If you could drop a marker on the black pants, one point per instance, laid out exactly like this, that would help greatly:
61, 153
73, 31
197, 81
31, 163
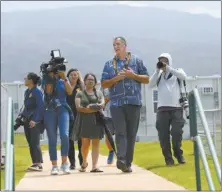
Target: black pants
165, 119
126, 122
71, 155
33, 139
72, 159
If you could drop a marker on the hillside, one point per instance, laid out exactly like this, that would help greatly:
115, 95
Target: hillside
84, 36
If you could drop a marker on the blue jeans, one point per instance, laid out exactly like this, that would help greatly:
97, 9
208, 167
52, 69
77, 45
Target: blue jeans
53, 119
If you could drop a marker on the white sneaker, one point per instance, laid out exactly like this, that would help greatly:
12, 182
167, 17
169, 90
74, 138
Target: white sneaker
55, 170
65, 168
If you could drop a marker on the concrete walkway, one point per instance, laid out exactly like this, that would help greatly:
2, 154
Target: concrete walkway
110, 179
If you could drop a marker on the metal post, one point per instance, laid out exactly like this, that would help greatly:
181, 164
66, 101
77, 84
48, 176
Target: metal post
215, 129
205, 163
208, 135
8, 147
13, 151
193, 134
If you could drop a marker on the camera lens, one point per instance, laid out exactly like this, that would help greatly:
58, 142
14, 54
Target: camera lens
159, 65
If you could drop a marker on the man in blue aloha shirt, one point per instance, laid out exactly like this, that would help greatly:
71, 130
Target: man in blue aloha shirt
123, 76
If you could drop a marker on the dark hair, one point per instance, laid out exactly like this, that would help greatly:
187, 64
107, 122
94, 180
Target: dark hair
35, 78
95, 79
70, 71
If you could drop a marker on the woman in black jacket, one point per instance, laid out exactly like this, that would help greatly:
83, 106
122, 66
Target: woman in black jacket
77, 84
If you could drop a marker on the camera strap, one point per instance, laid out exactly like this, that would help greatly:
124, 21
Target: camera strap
179, 83
184, 84
128, 57
88, 97
168, 77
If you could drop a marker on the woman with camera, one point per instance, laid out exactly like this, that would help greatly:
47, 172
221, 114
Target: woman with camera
57, 114
77, 84
32, 117
87, 125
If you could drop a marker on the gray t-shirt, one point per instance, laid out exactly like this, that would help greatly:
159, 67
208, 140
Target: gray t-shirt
106, 110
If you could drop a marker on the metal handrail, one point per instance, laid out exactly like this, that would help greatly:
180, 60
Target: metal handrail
9, 158
208, 135
194, 102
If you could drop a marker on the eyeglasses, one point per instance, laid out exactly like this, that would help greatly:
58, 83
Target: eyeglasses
90, 79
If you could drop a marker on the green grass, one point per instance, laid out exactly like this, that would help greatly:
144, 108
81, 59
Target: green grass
147, 155
22, 158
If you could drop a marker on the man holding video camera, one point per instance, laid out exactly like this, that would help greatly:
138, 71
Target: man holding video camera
171, 102
57, 112
123, 75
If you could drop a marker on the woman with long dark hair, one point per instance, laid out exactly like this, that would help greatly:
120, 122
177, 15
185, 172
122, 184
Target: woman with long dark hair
87, 126
32, 116
77, 84
57, 115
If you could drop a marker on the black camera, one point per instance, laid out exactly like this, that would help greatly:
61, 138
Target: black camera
18, 122
185, 105
160, 65
55, 64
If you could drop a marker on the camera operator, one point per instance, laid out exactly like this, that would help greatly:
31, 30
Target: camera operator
32, 115
170, 110
57, 112
77, 84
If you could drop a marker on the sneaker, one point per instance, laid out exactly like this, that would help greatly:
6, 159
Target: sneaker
181, 160
121, 165
110, 157
129, 170
169, 162
65, 168
35, 167
72, 167
55, 170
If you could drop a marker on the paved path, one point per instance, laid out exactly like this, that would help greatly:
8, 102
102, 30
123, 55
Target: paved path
110, 179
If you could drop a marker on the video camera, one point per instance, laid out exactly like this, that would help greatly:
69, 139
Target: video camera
55, 64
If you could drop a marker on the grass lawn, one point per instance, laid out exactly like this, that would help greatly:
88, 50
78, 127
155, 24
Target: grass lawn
147, 155
22, 159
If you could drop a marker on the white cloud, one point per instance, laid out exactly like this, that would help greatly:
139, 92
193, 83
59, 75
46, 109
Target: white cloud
212, 8
200, 10
133, 3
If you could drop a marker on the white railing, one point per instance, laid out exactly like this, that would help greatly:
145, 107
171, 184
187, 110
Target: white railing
9, 158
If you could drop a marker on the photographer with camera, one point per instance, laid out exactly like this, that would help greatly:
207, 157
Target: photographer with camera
77, 84
31, 118
171, 102
57, 112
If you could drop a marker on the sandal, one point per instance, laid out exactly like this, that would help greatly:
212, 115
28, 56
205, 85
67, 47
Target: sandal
83, 168
96, 170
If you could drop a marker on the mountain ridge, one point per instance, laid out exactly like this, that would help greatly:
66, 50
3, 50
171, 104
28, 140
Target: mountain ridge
84, 36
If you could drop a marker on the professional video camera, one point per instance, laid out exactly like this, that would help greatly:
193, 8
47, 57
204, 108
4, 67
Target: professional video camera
55, 64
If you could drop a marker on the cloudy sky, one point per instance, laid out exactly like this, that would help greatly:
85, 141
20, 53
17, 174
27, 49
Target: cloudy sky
212, 8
